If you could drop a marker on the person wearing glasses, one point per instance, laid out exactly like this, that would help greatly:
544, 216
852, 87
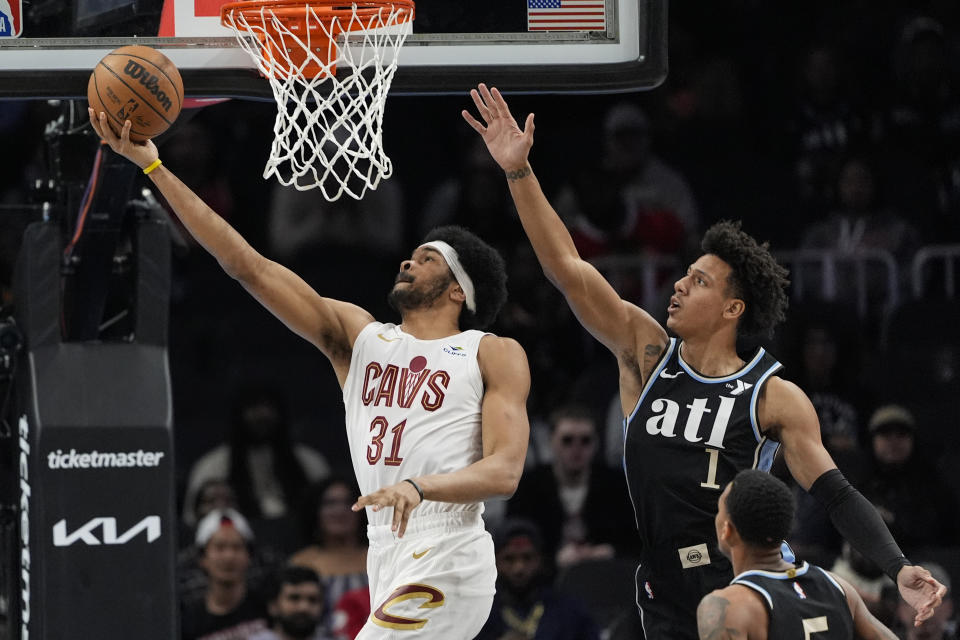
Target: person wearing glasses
581, 506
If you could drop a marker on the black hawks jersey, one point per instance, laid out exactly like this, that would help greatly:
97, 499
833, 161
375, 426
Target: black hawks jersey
686, 439
804, 603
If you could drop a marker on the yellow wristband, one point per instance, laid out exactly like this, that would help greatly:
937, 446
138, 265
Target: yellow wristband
153, 165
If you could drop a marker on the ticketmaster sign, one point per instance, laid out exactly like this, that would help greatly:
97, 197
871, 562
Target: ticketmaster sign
71, 459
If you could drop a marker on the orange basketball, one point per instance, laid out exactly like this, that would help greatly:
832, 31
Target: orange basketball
138, 84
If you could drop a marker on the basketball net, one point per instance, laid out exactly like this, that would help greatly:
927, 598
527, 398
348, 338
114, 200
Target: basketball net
330, 65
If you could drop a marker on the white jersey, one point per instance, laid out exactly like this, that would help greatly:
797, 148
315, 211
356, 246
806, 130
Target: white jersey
412, 408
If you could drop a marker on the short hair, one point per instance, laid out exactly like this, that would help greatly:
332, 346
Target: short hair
760, 507
517, 527
571, 412
486, 269
292, 575
755, 276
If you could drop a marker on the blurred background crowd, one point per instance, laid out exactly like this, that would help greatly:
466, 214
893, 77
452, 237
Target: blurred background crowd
831, 128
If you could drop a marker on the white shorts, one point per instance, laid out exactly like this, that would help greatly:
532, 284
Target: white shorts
436, 582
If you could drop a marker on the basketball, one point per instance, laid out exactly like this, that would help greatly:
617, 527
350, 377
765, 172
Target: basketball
138, 84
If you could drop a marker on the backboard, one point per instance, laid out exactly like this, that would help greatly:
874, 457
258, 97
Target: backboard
48, 47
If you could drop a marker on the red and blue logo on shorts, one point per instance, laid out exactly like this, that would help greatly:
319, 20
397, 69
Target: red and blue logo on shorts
11, 18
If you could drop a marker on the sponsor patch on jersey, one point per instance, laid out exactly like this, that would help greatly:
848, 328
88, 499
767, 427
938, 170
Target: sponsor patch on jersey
455, 351
738, 386
695, 556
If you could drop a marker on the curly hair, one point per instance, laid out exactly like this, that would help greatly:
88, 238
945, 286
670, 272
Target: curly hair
486, 269
760, 507
755, 277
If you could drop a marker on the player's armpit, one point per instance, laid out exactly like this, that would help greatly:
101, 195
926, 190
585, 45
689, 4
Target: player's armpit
716, 620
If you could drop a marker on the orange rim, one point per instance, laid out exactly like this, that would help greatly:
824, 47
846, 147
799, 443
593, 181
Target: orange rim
336, 15
294, 11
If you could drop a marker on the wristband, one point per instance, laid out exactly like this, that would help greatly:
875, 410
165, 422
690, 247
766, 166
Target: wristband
417, 487
150, 167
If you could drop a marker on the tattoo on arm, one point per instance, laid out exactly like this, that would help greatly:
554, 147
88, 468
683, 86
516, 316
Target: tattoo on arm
519, 174
712, 618
651, 353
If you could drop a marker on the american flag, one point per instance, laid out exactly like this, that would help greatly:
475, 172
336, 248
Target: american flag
566, 15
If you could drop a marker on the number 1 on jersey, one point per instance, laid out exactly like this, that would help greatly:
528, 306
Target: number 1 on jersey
711, 482
375, 449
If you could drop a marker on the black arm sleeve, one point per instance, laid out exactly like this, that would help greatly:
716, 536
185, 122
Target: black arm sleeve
858, 521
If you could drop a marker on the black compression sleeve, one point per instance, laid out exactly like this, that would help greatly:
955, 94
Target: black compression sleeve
858, 521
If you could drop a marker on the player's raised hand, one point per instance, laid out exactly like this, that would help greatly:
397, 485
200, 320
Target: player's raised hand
921, 591
142, 154
403, 497
505, 141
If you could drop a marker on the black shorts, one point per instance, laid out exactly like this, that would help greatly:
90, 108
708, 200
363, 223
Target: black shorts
668, 601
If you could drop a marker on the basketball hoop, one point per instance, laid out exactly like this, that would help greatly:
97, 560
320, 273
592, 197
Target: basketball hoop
330, 64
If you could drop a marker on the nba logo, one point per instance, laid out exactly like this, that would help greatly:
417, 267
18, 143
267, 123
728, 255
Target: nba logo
800, 591
11, 18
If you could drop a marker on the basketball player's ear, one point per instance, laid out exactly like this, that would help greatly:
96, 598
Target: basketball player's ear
457, 294
734, 308
727, 532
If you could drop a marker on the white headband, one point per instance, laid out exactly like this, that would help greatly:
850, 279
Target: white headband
453, 261
217, 518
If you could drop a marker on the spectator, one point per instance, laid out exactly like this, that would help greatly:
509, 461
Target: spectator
823, 127
215, 493
476, 198
632, 200
917, 518
923, 127
295, 604
192, 581
229, 610
303, 221
861, 219
580, 505
525, 607
827, 354
260, 461
350, 613
942, 625
338, 548
867, 579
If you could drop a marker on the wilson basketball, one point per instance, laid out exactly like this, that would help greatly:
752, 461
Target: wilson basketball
138, 84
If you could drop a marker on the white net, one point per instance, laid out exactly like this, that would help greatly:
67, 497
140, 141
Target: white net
330, 75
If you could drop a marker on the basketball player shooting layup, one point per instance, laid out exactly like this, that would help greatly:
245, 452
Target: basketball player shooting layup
436, 416
696, 414
770, 597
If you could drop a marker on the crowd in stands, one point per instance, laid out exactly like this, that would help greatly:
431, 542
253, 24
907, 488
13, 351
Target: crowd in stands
830, 127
